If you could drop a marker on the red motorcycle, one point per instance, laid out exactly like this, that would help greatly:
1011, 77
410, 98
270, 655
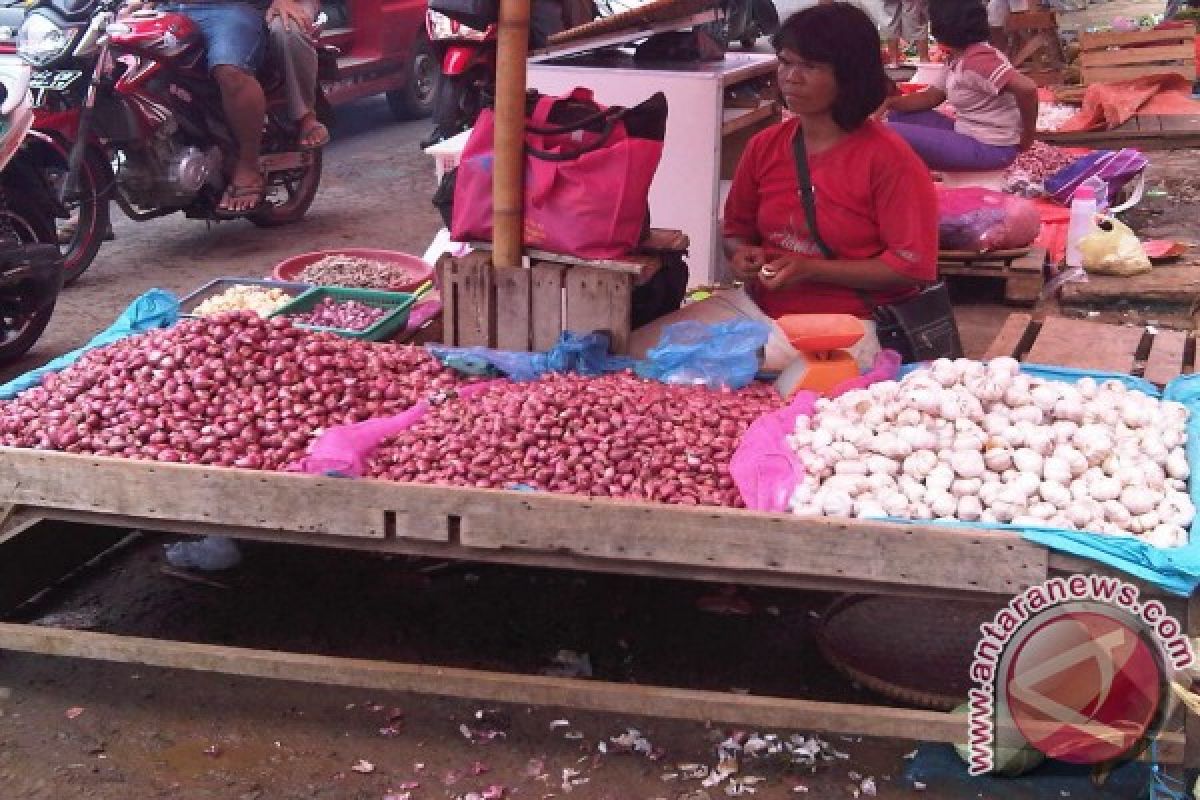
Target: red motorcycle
147, 129
468, 78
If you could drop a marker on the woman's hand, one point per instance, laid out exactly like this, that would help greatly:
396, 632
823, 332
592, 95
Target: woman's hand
290, 11
784, 271
747, 260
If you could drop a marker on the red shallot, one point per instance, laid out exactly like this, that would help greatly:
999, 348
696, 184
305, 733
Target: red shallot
617, 436
350, 315
232, 389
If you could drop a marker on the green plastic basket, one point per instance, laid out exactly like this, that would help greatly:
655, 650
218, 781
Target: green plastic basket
400, 303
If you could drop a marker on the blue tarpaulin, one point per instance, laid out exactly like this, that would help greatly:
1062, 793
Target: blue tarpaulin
154, 309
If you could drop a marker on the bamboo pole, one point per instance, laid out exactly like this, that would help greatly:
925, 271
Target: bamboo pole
512, 47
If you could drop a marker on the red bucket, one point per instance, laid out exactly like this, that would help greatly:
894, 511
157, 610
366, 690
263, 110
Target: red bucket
911, 88
413, 268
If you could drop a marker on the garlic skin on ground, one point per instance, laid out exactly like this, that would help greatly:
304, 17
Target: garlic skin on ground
985, 442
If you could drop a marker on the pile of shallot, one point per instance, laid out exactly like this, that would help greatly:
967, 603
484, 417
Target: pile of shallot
1027, 174
231, 390
348, 315
617, 436
964, 440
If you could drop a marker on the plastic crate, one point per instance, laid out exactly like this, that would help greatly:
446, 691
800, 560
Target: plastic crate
218, 285
400, 303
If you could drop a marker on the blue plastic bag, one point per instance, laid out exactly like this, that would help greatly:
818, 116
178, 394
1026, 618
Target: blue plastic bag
586, 354
713, 355
154, 309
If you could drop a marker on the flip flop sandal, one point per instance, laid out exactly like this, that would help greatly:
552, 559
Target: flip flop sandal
234, 192
322, 134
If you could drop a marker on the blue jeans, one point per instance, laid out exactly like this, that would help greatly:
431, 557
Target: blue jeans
933, 136
235, 33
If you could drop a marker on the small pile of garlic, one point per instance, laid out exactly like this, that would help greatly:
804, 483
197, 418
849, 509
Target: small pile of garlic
242, 297
973, 441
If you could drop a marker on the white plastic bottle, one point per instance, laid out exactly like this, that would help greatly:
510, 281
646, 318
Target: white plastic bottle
1083, 209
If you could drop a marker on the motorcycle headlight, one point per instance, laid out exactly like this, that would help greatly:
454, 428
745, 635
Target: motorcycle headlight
40, 41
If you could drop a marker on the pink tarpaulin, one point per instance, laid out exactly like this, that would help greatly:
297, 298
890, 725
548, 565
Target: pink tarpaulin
1109, 105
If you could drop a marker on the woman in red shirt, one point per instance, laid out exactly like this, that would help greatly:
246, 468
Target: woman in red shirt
876, 208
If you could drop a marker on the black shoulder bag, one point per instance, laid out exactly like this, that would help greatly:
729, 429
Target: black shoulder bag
919, 328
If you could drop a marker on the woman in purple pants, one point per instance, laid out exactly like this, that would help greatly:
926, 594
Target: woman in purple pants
996, 106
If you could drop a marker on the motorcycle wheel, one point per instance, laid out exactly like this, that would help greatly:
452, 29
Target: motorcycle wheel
80, 235
298, 188
24, 318
417, 98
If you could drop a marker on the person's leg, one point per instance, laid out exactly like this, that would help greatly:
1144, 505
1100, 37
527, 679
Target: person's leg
916, 26
949, 151
892, 22
235, 37
926, 119
298, 55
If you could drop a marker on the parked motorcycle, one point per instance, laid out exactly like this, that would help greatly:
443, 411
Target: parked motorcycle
30, 264
468, 78
133, 117
745, 22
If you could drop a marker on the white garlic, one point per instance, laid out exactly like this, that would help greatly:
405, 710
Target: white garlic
1054, 493
1167, 536
1045, 396
1177, 464
1080, 515
850, 467
881, 464
837, 504
998, 459
1116, 513
1027, 460
940, 478
1005, 366
967, 463
1139, 500
966, 486
1104, 489
1043, 511
920, 464
895, 504
969, 508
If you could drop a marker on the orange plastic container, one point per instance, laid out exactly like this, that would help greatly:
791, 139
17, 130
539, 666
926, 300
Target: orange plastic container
815, 333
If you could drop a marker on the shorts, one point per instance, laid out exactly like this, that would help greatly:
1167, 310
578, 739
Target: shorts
998, 10
906, 19
235, 34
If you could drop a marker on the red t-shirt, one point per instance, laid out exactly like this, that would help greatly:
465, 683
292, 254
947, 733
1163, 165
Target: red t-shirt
874, 199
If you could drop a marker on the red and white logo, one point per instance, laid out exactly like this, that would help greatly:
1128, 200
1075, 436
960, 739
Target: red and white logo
1083, 685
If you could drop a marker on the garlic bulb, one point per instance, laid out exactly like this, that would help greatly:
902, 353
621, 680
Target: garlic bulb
985, 442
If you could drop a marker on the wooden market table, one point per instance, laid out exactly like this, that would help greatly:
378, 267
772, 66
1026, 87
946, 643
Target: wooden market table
527, 529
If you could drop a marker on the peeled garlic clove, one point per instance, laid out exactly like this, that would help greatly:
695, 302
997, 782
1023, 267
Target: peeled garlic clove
868, 509
1004, 365
1177, 464
1055, 493
1028, 461
966, 486
896, 505
837, 504
920, 464
998, 459
850, 467
1057, 470
939, 478
1043, 511
1167, 536
1027, 482
1045, 396
1116, 513
1079, 514
1104, 489
1139, 500
967, 463
969, 508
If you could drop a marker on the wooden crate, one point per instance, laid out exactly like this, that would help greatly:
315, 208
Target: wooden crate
526, 308
1035, 48
1157, 355
1108, 57
1021, 270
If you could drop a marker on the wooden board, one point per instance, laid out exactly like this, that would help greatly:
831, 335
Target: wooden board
1157, 355
1166, 357
1182, 52
1021, 270
599, 301
1177, 283
1085, 345
606, 532
513, 307
248, 498
546, 316
1092, 75
1105, 39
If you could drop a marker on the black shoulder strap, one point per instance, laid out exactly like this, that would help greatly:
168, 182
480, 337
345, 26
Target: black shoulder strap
804, 179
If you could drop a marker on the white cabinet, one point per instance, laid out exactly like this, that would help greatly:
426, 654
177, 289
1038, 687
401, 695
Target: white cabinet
702, 133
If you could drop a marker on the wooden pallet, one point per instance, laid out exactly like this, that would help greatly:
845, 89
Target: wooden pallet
1113, 56
1159, 356
1143, 131
1021, 270
1175, 283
